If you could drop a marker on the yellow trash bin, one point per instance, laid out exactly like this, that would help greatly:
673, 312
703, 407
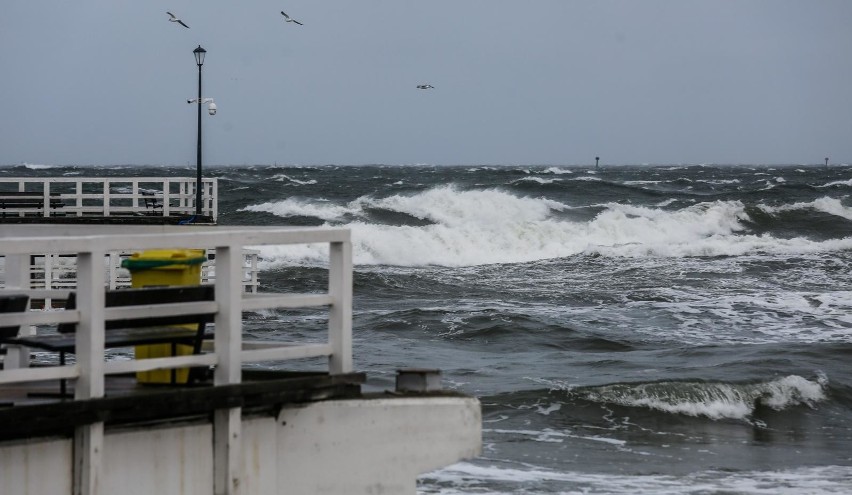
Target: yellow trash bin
163, 268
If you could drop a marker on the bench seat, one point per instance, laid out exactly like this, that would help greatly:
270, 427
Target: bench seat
124, 337
18, 202
153, 329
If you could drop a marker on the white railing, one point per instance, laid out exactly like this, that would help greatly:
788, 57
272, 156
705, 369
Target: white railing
90, 244
111, 196
59, 271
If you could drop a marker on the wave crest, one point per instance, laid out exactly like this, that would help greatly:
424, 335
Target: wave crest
715, 400
451, 227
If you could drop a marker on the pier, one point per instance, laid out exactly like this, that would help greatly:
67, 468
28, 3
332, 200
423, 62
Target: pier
105, 201
100, 200
238, 429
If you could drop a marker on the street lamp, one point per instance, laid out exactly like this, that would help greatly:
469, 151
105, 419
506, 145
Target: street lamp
199, 60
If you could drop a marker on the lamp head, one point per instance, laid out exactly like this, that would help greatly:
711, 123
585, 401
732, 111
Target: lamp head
199, 55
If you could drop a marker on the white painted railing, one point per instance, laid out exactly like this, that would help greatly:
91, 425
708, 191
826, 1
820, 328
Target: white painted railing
112, 196
59, 271
91, 244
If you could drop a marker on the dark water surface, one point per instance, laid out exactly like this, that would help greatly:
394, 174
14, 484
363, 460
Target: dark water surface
627, 329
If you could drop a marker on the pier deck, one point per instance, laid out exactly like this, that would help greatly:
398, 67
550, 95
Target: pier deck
36, 409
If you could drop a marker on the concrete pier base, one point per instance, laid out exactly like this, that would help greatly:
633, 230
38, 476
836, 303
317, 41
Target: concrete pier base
350, 446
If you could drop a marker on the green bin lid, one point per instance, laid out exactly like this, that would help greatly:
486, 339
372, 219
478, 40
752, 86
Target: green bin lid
160, 258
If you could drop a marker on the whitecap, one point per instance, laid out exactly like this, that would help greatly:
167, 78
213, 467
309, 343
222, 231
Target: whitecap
478, 476
712, 400
478, 227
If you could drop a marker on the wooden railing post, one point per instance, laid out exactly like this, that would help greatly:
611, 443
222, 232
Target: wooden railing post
214, 199
90, 330
89, 439
78, 190
340, 313
227, 441
134, 190
166, 201
46, 198
106, 198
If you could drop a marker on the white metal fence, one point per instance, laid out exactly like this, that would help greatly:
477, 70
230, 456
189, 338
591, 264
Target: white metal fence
59, 271
114, 196
93, 243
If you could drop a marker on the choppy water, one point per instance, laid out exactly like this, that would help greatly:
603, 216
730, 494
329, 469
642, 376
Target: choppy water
629, 330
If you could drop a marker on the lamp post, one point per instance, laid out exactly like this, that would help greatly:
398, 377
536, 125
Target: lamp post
199, 60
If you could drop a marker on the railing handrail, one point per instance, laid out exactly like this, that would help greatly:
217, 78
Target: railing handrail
176, 193
47, 273
91, 243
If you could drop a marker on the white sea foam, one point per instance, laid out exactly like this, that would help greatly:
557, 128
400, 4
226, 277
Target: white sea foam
641, 182
838, 183
479, 477
549, 409
537, 179
283, 178
762, 317
296, 207
832, 206
712, 400
588, 179
549, 435
557, 171
493, 226
37, 166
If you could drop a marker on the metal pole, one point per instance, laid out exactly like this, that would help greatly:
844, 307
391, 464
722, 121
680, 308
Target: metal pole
198, 168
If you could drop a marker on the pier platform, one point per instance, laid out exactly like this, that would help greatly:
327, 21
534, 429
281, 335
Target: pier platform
238, 429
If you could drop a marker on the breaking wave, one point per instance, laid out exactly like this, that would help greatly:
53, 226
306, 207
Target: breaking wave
715, 400
477, 227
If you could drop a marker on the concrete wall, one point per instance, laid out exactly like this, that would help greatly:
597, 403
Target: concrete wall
36, 467
346, 447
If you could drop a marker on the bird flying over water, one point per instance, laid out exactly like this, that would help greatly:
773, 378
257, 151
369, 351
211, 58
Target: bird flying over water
287, 19
172, 18
425, 86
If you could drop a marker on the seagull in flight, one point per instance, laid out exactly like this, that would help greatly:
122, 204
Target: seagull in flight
425, 86
172, 18
287, 19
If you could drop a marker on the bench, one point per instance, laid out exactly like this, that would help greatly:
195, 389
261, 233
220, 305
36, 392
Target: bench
152, 202
12, 303
143, 330
22, 202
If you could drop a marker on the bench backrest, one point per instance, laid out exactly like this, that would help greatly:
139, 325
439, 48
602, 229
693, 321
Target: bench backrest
22, 200
146, 296
12, 303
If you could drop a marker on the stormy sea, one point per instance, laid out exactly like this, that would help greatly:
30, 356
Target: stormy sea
628, 329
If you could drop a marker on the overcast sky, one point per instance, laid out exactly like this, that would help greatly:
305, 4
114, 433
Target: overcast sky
516, 82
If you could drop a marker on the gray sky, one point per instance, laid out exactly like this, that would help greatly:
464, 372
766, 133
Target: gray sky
516, 82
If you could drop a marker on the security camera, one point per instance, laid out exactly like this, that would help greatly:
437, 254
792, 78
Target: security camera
189, 101
211, 109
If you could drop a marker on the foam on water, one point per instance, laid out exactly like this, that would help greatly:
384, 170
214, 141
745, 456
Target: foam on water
296, 207
483, 478
756, 317
538, 180
286, 178
714, 400
832, 206
838, 183
37, 166
557, 171
490, 226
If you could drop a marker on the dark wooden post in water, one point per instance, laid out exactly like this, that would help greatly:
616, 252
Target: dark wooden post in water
597, 159
199, 60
